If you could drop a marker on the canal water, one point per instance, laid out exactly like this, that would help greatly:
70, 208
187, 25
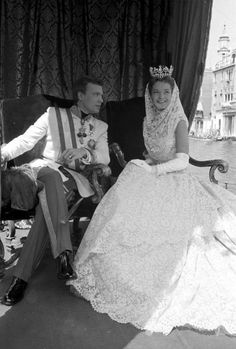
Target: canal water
209, 149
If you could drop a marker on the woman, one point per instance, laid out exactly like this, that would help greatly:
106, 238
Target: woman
160, 251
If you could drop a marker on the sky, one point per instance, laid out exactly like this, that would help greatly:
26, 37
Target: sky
223, 13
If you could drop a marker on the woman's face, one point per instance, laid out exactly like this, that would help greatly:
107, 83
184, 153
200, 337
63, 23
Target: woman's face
161, 94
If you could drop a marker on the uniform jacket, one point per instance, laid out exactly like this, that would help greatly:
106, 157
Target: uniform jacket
47, 125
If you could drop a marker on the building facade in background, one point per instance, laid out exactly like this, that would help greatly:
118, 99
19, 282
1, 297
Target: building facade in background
216, 112
224, 90
202, 123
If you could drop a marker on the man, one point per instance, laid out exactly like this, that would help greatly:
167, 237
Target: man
74, 139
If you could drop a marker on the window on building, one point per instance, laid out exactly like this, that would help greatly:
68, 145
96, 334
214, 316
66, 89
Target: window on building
228, 75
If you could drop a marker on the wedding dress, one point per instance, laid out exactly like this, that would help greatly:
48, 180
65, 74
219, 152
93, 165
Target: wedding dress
160, 252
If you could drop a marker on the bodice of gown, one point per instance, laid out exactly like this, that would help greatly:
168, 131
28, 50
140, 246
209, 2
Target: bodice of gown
160, 147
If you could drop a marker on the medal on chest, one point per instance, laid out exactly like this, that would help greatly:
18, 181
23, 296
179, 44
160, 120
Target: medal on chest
86, 129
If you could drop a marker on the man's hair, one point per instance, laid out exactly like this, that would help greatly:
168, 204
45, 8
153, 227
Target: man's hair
80, 85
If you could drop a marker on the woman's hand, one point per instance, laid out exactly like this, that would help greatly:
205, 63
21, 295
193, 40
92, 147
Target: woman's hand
148, 159
143, 164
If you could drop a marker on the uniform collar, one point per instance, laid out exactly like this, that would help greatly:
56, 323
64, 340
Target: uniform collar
76, 111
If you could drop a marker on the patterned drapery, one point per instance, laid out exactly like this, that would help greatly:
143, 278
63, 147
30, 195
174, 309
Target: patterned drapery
46, 45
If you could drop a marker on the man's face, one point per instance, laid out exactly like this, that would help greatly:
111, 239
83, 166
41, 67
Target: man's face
92, 99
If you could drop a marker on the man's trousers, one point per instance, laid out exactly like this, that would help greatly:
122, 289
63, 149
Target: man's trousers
38, 237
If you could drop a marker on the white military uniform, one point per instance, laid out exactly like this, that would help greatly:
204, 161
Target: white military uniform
62, 129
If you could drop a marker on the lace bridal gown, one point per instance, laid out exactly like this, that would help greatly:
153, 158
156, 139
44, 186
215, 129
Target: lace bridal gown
160, 252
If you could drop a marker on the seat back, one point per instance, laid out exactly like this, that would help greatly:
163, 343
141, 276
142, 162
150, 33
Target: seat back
17, 114
125, 121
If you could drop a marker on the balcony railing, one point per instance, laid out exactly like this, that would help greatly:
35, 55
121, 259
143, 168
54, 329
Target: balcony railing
225, 63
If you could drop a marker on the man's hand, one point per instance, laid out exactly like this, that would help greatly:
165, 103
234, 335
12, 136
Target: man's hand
73, 154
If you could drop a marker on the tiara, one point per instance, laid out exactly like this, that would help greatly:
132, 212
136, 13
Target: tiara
161, 72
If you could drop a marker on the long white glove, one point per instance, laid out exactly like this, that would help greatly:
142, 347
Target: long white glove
179, 163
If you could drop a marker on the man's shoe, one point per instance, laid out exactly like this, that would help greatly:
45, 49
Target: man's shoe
15, 292
65, 270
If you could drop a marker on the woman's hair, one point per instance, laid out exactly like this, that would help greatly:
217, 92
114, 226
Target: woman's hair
168, 79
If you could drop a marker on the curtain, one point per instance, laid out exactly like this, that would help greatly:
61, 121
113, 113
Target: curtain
186, 45
46, 45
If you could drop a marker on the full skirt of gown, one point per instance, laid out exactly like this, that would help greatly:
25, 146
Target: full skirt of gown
160, 252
